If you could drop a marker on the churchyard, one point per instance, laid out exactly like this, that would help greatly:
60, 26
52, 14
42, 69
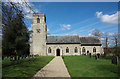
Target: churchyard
23, 66
84, 66
78, 66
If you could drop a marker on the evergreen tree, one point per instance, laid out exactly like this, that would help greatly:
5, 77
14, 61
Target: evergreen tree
15, 33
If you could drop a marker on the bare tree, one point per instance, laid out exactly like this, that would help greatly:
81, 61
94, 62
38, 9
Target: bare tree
114, 37
96, 32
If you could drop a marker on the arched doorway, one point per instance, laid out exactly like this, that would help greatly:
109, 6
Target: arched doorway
58, 52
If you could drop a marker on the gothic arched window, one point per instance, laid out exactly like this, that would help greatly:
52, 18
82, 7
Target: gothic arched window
76, 50
49, 50
38, 20
94, 49
83, 49
67, 50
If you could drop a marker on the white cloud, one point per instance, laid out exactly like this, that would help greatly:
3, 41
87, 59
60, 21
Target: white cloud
65, 27
99, 14
111, 19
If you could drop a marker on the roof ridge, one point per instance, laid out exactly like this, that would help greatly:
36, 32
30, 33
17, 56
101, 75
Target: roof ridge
88, 36
62, 35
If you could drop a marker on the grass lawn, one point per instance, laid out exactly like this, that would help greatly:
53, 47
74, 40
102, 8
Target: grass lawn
24, 68
83, 66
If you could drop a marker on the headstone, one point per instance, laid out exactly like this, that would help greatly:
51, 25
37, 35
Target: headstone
11, 58
15, 58
2, 57
90, 55
18, 58
98, 55
22, 57
114, 60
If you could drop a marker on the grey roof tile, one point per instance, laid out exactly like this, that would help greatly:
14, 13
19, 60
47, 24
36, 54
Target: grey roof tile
72, 39
63, 39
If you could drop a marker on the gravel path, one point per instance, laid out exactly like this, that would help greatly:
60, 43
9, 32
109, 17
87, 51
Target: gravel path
55, 68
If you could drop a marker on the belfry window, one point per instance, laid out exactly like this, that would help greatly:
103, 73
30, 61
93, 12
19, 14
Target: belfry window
49, 50
76, 50
38, 20
67, 50
94, 49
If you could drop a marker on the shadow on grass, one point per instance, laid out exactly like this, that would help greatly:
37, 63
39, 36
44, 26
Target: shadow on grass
108, 68
11, 63
25, 68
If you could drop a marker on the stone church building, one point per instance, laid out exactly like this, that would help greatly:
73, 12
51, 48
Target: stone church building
57, 45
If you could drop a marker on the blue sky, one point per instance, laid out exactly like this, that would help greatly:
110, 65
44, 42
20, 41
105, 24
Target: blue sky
69, 18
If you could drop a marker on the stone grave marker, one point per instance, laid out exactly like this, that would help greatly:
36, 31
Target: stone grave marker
114, 60
15, 58
98, 55
90, 55
2, 57
18, 58
11, 58
21, 57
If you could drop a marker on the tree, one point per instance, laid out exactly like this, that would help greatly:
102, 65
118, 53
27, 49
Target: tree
15, 33
115, 38
96, 32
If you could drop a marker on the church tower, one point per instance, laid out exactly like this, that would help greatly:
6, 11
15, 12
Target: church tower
38, 34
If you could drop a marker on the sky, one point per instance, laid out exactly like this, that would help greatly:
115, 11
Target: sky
77, 18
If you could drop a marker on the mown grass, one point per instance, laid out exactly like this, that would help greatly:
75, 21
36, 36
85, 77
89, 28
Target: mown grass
83, 66
24, 68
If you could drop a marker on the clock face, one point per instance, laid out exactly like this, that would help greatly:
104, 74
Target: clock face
38, 30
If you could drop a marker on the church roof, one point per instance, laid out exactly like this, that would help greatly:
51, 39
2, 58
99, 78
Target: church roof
72, 39
90, 40
63, 39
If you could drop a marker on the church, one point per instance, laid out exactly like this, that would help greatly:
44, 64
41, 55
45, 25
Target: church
57, 45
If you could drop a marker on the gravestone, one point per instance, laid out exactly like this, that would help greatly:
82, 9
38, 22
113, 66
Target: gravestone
21, 57
98, 55
15, 58
2, 57
90, 55
18, 58
114, 60
11, 58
